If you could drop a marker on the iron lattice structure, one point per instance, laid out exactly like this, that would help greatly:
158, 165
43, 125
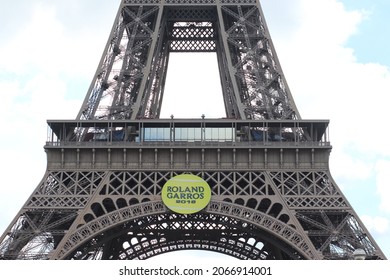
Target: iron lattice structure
272, 193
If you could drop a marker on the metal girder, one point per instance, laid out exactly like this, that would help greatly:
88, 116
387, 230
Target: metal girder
272, 193
159, 234
129, 82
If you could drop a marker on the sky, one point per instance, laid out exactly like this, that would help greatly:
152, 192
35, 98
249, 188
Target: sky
334, 54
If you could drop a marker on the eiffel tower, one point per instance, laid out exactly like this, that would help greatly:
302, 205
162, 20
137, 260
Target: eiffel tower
271, 192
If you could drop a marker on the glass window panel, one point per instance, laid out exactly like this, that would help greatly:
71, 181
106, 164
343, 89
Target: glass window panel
146, 134
166, 133
221, 134
198, 134
178, 134
191, 134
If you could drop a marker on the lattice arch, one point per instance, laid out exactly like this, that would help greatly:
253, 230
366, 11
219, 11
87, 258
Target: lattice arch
243, 217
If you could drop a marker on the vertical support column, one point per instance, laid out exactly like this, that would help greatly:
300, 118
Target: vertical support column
218, 158
124, 158
109, 158
226, 53
250, 158
234, 159
155, 158
146, 70
281, 158
97, 87
171, 158
77, 157
62, 158
140, 158
202, 159
187, 159
93, 158
312, 158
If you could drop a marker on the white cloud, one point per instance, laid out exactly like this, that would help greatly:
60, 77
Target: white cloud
383, 183
346, 167
376, 225
10, 90
33, 88
327, 80
330, 22
45, 43
35, 43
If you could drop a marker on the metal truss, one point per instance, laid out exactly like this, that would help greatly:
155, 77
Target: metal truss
129, 82
272, 193
153, 235
192, 37
81, 215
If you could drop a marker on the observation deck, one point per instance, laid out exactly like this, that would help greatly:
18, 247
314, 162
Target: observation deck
188, 144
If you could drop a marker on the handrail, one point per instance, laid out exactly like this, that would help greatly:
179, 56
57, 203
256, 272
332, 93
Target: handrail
238, 144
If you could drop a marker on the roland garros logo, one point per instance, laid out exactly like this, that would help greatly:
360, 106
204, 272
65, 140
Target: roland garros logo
186, 194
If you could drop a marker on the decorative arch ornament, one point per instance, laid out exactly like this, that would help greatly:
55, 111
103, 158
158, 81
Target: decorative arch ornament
220, 216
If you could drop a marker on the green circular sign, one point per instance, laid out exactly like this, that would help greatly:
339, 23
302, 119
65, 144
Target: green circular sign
186, 194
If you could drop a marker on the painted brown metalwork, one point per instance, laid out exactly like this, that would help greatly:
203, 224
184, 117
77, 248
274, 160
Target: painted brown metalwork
273, 196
